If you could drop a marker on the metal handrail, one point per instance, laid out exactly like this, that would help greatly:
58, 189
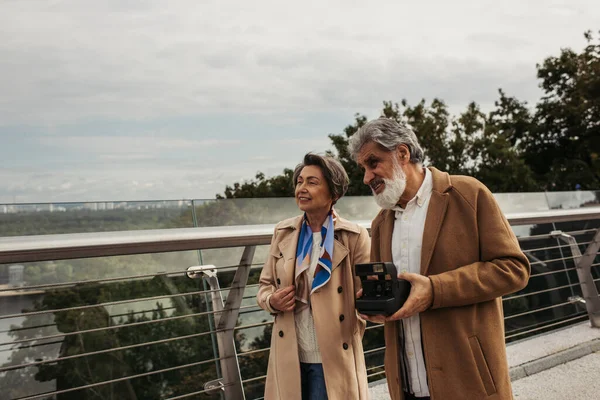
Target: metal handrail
86, 245
581, 317
101, 244
529, 294
553, 260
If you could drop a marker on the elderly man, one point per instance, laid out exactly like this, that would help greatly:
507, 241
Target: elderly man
447, 236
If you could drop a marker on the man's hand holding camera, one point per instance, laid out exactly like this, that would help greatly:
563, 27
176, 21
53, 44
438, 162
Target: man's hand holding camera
419, 300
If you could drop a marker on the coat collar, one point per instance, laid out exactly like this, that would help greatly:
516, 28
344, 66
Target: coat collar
290, 228
340, 224
435, 215
440, 180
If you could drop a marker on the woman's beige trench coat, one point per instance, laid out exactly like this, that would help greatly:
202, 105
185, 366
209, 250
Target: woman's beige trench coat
338, 327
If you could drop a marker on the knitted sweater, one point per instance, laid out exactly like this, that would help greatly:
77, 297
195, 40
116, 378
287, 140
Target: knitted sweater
308, 348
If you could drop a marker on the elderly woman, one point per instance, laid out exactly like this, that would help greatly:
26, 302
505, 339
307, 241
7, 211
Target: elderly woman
308, 284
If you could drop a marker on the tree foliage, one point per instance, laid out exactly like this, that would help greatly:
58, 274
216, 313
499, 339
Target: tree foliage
564, 148
110, 347
554, 145
277, 186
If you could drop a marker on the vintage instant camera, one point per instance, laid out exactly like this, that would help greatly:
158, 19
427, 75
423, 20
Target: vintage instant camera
384, 295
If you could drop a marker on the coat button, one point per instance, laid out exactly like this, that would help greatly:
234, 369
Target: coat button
340, 289
345, 346
281, 334
280, 254
341, 317
336, 237
278, 281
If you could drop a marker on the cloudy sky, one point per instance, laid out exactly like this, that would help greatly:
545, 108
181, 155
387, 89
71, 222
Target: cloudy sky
134, 100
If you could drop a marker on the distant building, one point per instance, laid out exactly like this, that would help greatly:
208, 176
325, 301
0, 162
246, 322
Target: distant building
91, 206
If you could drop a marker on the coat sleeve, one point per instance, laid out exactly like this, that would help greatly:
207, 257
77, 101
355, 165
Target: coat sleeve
502, 269
266, 283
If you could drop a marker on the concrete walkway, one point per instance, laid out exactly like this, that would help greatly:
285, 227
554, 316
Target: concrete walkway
563, 364
575, 380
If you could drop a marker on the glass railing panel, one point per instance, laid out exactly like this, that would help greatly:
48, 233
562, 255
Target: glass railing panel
79, 270
53, 218
521, 202
133, 295
229, 212
138, 328
273, 210
575, 199
546, 303
358, 208
47, 218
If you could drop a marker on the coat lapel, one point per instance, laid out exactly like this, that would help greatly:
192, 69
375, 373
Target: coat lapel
287, 247
385, 232
435, 216
339, 253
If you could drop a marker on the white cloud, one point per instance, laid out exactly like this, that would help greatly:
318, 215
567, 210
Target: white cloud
73, 63
139, 146
317, 143
108, 183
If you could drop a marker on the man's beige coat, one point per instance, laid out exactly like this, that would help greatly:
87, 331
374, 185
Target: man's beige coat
338, 327
473, 258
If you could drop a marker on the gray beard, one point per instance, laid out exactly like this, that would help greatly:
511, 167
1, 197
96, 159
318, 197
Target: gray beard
394, 189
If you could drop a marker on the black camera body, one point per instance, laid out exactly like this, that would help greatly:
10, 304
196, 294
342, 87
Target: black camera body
383, 293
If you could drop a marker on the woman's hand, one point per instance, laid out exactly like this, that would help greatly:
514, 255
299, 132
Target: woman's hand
284, 299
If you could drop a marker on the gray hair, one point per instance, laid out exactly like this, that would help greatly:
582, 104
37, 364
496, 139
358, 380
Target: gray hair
334, 173
389, 134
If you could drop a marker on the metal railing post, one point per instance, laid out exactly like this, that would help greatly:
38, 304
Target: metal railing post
226, 316
583, 266
211, 322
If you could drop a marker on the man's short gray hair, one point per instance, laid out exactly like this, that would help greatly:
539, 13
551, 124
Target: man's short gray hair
333, 171
389, 134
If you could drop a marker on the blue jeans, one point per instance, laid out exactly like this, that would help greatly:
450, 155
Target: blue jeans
313, 382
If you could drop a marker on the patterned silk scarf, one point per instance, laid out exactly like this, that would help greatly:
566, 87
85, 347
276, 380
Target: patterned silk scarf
303, 253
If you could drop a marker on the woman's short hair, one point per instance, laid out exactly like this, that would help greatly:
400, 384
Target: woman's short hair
334, 173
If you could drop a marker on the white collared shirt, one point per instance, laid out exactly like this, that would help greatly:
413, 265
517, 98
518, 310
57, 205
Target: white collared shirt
407, 240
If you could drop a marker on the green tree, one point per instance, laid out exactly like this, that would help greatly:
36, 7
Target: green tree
486, 147
92, 357
497, 154
564, 149
431, 123
277, 186
513, 148
340, 143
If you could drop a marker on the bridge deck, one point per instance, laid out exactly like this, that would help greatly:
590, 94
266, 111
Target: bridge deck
563, 364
